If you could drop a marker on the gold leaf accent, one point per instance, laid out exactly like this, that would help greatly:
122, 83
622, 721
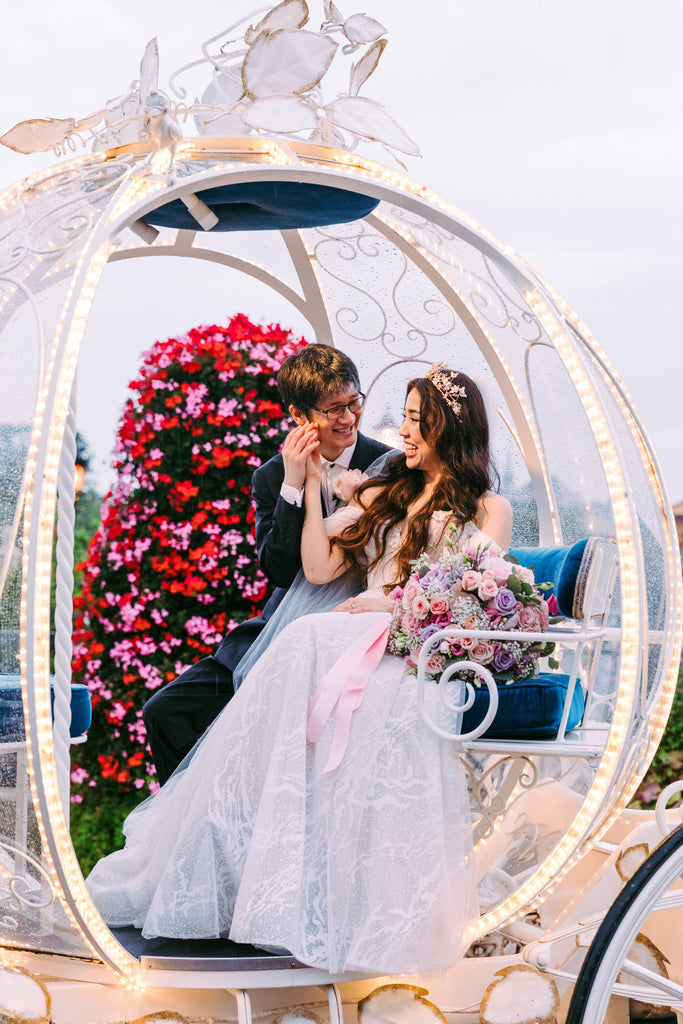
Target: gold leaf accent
363, 68
38, 134
399, 1004
286, 62
290, 14
520, 995
630, 859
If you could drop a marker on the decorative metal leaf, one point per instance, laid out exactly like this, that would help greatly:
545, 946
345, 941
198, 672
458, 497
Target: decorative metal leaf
363, 68
286, 62
332, 14
221, 94
399, 1004
359, 28
85, 123
367, 118
38, 134
290, 14
281, 114
149, 69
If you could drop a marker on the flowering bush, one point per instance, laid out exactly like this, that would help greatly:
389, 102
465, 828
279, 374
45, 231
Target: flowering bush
173, 564
475, 588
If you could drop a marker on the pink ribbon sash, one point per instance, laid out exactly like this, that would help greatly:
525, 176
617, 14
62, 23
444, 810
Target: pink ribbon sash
343, 688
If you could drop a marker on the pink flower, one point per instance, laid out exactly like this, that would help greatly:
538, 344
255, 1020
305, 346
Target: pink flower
470, 579
348, 482
409, 624
532, 618
499, 569
524, 574
420, 607
410, 591
435, 664
482, 652
487, 589
439, 605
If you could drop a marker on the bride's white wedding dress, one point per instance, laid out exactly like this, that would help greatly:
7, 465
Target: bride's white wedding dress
367, 867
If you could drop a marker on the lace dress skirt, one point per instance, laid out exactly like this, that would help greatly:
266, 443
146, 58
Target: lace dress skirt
368, 867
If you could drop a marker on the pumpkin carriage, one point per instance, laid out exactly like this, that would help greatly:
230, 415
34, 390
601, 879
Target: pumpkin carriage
397, 277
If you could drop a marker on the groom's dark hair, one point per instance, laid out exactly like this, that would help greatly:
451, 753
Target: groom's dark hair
314, 373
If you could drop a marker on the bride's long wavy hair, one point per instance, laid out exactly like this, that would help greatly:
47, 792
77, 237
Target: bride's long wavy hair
461, 444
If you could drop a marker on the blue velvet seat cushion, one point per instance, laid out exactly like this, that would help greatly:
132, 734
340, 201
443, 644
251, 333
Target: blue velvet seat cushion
528, 710
268, 205
564, 567
12, 712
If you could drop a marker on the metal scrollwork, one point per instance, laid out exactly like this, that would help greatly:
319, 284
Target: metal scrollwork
495, 787
487, 292
21, 891
402, 319
65, 225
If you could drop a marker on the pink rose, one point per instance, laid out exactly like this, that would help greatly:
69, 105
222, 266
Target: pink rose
524, 574
499, 569
487, 589
435, 664
420, 607
410, 591
348, 482
409, 624
531, 619
439, 605
469, 622
411, 661
470, 579
482, 652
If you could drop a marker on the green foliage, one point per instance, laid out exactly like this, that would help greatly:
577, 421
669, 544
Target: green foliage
667, 764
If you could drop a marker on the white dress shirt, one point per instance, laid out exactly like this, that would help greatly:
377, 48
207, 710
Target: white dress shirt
331, 473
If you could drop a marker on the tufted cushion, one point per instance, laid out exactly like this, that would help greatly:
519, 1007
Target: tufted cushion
12, 712
530, 710
566, 568
268, 205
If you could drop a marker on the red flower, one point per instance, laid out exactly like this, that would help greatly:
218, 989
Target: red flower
222, 457
178, 544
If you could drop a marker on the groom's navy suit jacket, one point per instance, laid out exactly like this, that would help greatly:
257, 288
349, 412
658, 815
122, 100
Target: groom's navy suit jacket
278, 542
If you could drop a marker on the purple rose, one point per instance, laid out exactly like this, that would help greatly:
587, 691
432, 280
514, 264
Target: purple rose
433, 575
503, 660
504, 601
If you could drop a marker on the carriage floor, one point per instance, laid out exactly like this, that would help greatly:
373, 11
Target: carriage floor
201, 954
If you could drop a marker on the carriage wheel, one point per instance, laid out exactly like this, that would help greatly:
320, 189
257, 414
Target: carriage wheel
607, 969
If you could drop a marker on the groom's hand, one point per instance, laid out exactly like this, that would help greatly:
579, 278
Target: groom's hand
299, 444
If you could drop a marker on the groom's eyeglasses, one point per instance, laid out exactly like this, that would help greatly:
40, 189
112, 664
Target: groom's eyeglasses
337, 411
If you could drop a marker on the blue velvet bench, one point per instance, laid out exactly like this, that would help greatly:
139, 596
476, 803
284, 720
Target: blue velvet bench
582, 576
12, 712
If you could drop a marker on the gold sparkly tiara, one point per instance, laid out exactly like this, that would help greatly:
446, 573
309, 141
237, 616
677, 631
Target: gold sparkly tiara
441, 377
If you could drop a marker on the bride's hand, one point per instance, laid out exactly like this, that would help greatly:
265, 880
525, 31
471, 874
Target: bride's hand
314, 468
363, 603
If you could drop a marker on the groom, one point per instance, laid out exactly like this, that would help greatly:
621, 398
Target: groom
321, 388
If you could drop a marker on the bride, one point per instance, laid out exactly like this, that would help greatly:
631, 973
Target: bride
319, 813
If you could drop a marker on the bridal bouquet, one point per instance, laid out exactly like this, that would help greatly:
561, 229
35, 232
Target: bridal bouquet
475, 587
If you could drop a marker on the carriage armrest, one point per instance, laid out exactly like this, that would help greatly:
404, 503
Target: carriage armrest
582, 576
553, 703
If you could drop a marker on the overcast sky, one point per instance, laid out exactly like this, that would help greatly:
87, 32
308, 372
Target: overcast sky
556, 125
